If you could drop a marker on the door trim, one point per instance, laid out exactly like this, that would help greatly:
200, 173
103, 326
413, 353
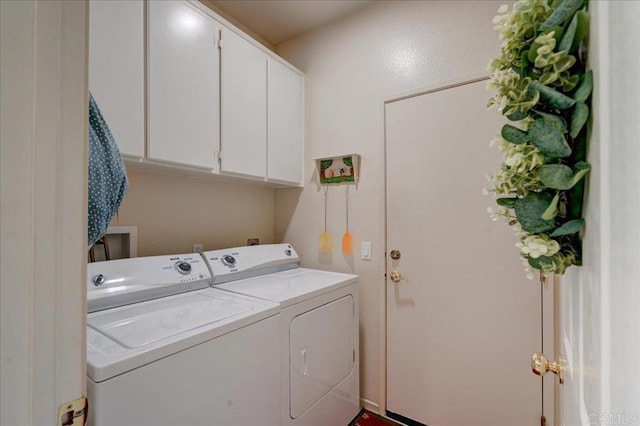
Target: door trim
437, 87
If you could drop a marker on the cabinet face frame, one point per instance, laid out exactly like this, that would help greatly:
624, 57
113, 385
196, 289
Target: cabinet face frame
146, 155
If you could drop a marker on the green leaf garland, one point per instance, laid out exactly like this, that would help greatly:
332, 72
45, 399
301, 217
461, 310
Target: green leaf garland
542, 86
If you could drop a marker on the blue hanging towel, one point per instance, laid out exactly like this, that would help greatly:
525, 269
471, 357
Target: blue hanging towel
108, 181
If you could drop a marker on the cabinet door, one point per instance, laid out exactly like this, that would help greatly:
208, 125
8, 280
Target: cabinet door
116, 69
183, 85
244, 107
285, 141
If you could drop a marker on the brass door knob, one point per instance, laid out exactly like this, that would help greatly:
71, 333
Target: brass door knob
396, 277
540, 365
395, 254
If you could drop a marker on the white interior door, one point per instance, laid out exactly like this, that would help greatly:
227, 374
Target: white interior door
600, 302
43, 208
463, 322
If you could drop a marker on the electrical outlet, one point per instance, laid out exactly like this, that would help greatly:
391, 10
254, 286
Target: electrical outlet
253, 241
197, 248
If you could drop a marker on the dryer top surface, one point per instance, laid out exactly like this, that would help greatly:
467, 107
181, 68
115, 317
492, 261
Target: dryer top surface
291, 286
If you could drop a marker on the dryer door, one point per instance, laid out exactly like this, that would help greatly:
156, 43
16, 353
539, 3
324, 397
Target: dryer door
321, 352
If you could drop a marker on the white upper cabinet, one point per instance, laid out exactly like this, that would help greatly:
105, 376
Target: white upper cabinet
116, 69
244, 107
183, 84
216, 101
285, 125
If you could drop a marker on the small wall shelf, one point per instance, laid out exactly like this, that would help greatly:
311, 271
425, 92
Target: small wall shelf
338, 169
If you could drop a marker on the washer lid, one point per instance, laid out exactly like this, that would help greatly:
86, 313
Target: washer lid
292, 286
141, 324
125, 338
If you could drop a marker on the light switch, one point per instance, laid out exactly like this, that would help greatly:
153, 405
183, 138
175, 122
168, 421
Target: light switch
366, 250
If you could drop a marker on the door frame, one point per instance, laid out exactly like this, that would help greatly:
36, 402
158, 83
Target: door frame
44, 208
382, 295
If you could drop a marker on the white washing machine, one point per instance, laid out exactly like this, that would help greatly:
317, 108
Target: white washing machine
319, 320
163, 348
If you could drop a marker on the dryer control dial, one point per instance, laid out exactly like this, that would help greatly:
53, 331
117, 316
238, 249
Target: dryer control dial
229, 260
183, 267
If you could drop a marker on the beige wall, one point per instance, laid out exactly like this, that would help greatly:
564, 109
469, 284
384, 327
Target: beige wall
172, 212
351, 65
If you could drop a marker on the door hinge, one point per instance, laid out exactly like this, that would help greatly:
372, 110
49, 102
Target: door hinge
73, 413
219, 41
543, 421
354, 355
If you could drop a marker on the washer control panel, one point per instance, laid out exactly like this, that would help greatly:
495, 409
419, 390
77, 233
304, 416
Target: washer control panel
243, 262
124, 281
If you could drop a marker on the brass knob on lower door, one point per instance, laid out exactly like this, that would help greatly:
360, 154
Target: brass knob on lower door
396, 277
540, 365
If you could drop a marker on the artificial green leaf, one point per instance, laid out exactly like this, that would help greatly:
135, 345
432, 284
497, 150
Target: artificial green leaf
506, 202
563, 12
569, 228
548, 77
552, 211
517, 116
579, 117
547, 134
552, 96
556, 176
514, 135
529, 212
570, 83
567, 39
555, 121
582, 30
559, 176
564, 63
532, 54
539, 262
586, 85
580, 170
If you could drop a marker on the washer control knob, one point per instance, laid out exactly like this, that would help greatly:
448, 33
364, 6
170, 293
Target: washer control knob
287, 252
98, 280
229, 260
183, 267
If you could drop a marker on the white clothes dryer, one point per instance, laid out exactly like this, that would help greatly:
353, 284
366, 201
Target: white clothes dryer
199, 357
319, 320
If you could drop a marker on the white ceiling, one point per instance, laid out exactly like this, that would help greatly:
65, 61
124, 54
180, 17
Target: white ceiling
277, 21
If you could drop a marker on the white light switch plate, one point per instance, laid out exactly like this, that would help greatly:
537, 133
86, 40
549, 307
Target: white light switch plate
366, 250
